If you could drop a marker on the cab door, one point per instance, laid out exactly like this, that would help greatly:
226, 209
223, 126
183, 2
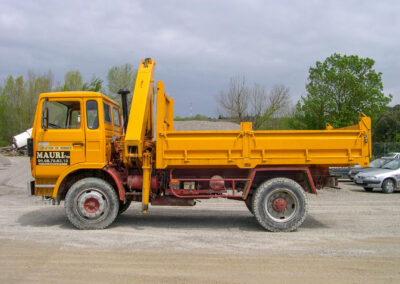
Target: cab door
95, 139
60, 140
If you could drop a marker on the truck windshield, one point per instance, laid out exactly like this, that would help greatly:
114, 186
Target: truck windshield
63, 115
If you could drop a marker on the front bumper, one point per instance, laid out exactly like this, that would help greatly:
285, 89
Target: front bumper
375, 183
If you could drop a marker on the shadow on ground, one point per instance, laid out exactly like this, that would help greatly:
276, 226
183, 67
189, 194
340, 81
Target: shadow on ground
162, 218
375, 191
45, 217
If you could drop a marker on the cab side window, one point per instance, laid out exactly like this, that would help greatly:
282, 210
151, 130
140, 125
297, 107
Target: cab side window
116, 117
62, 114
107, 113
92, 114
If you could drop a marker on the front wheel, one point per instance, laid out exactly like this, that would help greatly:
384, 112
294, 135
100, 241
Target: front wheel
388, 186
91, 204
280, 205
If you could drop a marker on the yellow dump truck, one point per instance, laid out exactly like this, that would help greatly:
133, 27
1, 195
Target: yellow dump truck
84, 153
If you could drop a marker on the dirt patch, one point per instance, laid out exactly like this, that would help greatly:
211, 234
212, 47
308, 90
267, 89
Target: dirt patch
25, 262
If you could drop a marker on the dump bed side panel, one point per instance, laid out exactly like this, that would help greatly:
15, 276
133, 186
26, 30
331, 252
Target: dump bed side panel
249, 149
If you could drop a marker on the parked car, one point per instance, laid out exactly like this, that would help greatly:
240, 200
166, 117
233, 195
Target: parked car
387, 178
342, 172
393, 155
377, 163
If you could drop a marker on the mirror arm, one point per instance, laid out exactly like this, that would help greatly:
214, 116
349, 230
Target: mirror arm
45, 114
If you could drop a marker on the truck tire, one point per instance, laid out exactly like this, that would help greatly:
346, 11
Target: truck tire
124, 206
249, 203
388, 186
280, 205
91, 204
368, 189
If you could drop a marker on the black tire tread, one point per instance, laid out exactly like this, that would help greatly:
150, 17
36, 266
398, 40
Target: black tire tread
79, 186
257, 199
386, 190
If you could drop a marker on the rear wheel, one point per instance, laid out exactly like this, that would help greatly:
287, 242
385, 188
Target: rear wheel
368, 189
388, 186
91, 204
280, 205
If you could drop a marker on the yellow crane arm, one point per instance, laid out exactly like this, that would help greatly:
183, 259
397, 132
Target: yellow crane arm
140, 123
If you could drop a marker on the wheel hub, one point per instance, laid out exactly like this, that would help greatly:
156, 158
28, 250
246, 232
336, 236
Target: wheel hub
279, 205
91, 204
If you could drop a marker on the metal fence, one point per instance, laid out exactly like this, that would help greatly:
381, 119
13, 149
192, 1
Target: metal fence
380, 149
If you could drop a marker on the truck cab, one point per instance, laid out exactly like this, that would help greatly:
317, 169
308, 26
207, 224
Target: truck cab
72, 131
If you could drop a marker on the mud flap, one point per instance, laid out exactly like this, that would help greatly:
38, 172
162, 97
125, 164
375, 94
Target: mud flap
31, 187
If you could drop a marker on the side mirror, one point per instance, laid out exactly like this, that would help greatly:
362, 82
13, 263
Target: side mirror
45, 115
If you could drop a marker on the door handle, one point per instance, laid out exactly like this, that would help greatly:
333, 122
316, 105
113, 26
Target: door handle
78, 144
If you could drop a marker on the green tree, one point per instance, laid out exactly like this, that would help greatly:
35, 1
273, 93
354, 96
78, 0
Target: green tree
3, 141
338, 90
18, 100
95, 84
8, 102
121, 77
73, 81
388, 126
35, 85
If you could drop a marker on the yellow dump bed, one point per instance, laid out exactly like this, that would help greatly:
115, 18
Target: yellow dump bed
246, 148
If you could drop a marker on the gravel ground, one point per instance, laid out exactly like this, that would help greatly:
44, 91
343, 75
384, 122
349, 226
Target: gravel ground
349, 234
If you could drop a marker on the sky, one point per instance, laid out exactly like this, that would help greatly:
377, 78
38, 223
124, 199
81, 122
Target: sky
199, 45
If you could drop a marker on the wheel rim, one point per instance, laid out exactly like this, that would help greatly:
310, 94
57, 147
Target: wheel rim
281, 205
91, 204
389, 185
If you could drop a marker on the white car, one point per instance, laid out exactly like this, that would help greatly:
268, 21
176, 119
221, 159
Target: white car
387, 178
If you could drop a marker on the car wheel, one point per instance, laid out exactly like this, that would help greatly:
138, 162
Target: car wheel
91, 204
388, 186
280, 205
368, 189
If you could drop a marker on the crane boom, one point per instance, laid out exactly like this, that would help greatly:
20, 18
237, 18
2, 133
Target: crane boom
140, 123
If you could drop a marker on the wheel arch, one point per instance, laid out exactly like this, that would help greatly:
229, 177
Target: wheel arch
106, 174
393, 179
301, 175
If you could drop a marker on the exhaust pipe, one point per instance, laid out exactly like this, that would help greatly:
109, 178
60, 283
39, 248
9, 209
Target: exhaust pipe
124, 98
